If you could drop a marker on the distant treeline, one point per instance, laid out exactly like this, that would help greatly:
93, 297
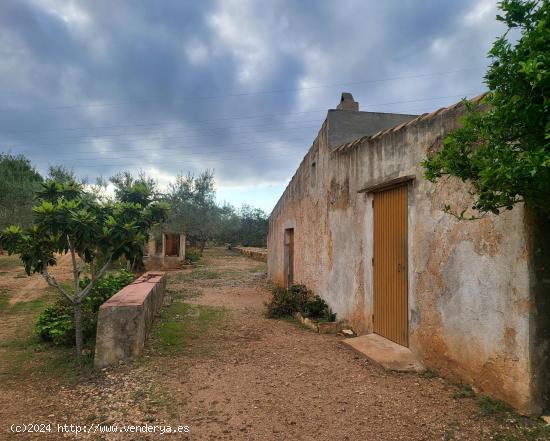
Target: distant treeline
192, 199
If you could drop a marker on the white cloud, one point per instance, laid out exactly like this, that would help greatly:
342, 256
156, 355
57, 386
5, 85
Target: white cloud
481, 13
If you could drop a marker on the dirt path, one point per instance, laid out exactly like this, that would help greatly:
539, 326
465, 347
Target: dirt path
215, 364
25, 288
272, 379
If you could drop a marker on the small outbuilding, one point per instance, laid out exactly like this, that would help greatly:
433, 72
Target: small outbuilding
165, 250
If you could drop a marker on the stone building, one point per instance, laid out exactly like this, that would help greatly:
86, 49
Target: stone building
360, 225
165, 250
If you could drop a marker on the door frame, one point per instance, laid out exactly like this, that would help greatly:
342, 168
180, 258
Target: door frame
407, 182
288, 257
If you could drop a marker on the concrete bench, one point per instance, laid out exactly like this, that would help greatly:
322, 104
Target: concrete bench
125, 320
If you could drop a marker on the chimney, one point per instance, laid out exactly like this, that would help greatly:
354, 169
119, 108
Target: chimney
347, 102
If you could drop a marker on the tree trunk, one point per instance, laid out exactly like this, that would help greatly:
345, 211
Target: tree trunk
78, 330
203, 244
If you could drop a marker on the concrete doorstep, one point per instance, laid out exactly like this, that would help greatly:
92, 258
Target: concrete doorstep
385, 353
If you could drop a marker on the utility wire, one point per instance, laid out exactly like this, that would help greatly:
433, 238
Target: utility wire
166, 133
180, 147
125, 164
235, 117
82, 139
170, 137
242, 94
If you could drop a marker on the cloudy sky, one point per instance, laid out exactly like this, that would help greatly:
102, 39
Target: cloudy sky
237, 86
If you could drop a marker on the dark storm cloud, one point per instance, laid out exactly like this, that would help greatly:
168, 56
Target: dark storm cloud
104, 86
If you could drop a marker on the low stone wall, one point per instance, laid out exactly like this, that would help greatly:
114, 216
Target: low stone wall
255, 253
125, 320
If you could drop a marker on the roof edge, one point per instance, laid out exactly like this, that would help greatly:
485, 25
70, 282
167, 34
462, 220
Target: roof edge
396, 128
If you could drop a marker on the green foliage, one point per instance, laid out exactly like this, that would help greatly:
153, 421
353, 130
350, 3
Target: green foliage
70, 220
298, 298
105, 288
184, 328
428, 374
56, 323
504, 152
192, 255
195, 211
141, 190
247, 226
492, 407
140, 206
19, 182
317, 308
464, 392
286, 302
61, 174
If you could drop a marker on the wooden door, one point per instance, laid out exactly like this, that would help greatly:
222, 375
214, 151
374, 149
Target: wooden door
172, 245
289, 257
390, 264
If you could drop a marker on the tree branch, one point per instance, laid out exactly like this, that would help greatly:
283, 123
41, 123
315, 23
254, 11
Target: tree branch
92, 283
76, 272
52, 282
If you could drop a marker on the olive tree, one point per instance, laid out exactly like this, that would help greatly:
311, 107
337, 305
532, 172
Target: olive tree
19, 181
69, 220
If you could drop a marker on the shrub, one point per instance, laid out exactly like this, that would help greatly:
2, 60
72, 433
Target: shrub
105, 288
56, 323
317, 308
287, 301
298, 298
192, 255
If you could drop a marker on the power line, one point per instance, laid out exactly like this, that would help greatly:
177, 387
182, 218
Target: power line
109, 135
241, 94
174, 137
187, 162
231, 118
95, 137
163, 123
178, 148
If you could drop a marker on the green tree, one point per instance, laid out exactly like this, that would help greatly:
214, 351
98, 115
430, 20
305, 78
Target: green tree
19, 182
141, 190
253, 226
69, 220
503, 149
229, 225
61, 173
141, 193
194, 209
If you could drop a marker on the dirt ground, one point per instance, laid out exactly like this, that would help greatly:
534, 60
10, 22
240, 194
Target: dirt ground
215, 364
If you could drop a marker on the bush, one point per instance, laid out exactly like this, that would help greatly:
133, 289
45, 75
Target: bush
105, 288
192, 255
287, 301
56, 324
317, 308
298, 298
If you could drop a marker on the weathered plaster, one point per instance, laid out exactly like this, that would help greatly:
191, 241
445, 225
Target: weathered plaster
470, 282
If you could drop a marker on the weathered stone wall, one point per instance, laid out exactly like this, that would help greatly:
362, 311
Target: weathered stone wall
470, 282
539, 225
253, 252
125, 320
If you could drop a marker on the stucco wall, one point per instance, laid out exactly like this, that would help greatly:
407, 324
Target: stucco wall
469, 281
